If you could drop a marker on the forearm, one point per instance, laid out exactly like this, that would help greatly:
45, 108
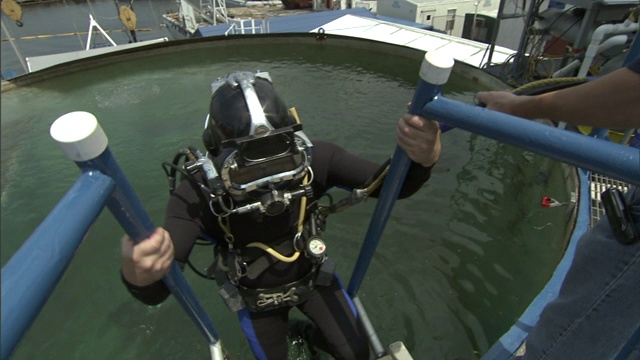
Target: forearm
417, 175
612, 101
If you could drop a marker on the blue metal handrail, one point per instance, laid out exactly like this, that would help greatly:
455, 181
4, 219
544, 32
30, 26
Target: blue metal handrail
434, 72
614, 160
32, 273
128, 210
30, 276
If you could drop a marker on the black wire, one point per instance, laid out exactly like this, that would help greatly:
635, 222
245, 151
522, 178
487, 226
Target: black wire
569, 28
166, 166
203, 242
175, 167
535, 71
541, 36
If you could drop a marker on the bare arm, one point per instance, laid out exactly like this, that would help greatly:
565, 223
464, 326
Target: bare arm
612, 101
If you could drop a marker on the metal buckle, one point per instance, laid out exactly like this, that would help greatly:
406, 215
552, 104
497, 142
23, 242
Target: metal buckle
238, 268
277, 298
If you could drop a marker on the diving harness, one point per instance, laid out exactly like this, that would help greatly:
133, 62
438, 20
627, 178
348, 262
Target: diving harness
232, 263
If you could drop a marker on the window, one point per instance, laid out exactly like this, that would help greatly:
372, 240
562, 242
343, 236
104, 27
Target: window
451, 20
479, 30
427, 16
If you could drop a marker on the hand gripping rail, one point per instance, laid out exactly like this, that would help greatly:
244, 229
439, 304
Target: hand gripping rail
613, 160
434, 72
32, 273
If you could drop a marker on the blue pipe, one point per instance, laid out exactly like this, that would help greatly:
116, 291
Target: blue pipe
393, 182
128, 210
611, 159
30, 276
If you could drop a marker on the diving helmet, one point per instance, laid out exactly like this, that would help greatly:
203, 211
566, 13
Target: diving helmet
257, 146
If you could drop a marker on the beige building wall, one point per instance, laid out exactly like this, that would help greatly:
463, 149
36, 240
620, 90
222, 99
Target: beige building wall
444, 15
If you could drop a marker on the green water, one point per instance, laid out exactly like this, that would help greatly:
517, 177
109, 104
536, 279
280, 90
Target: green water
457, 264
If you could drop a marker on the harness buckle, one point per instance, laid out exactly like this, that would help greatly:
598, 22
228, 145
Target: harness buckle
277, 298
237, 267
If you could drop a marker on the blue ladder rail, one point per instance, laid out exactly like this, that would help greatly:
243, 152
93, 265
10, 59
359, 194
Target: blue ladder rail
32, 273
613, 160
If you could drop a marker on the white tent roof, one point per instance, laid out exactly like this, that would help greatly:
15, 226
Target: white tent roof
470, 52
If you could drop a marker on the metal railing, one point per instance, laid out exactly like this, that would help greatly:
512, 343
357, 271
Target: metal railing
614, 160
240, 27
32, 273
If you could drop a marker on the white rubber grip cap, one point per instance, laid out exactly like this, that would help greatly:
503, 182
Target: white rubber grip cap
79, 135
436, 68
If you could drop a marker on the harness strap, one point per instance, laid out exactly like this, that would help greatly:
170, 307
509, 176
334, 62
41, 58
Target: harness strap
290, 294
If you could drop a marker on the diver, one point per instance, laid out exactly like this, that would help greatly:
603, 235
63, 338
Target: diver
255, 193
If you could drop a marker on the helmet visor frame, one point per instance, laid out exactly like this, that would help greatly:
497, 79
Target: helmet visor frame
259, 149
261, 162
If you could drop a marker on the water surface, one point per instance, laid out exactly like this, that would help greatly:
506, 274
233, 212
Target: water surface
457, 264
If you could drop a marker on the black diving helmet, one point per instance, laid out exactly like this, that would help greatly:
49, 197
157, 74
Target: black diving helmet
259, 149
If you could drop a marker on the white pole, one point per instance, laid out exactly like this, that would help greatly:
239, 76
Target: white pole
93, 23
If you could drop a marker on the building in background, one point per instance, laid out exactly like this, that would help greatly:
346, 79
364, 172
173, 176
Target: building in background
444, 16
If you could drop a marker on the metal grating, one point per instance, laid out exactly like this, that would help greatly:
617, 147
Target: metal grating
597, 184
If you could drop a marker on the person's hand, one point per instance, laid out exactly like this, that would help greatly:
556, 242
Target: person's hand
149, 260
503, 101
419, 138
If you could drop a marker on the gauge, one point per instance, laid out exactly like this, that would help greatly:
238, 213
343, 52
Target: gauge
316, 247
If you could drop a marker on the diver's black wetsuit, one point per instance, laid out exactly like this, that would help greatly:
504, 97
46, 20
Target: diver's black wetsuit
189, 215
